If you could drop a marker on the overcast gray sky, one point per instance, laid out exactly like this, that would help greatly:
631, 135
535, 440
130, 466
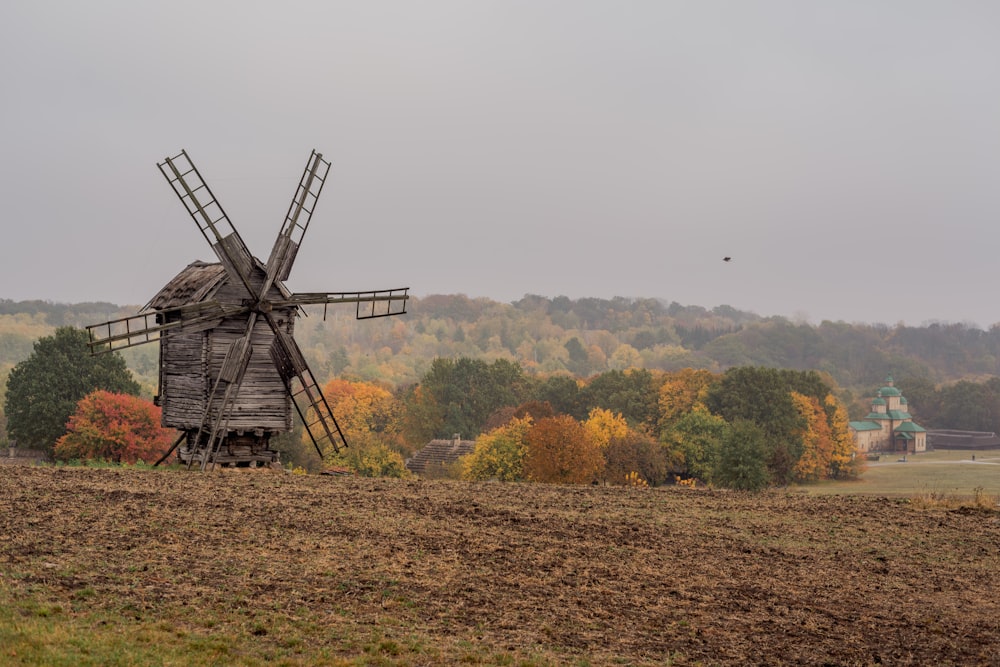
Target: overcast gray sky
845, 154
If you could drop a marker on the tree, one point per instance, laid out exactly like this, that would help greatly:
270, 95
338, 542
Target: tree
693, 443
114, 427
764, 396
500, 453
463, 393
44, 389
634, 455
743, 458
561, 451
370, 457
681, 391
844, 460
631, 393
364, 407
817, 443
562, 392
605, 425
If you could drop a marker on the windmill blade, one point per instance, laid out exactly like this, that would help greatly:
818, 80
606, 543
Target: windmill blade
152, 325
300, 211
376, 303
212, 221
320, 423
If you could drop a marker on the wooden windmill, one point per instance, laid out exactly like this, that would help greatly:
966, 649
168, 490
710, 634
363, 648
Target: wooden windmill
230, 370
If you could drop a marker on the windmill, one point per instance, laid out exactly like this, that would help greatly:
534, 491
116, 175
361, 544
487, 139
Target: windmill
230, 370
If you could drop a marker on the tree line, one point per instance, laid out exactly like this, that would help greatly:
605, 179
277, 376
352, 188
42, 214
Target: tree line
746, 428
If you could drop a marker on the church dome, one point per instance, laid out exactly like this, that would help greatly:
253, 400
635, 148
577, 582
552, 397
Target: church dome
878, 401
889, 391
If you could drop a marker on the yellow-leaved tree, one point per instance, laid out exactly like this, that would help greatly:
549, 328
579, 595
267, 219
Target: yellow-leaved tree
369, 416
844, 461
500, 453
681, 392
604, 425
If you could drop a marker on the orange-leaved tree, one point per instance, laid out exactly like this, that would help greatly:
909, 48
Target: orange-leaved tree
562, 451
817, 444
114, 427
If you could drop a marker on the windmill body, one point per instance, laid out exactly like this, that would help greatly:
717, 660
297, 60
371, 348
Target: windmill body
230, 370
190, 362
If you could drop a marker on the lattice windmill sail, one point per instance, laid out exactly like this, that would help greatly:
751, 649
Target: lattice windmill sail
230, 370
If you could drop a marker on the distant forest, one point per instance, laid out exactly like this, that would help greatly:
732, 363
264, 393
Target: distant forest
588, 336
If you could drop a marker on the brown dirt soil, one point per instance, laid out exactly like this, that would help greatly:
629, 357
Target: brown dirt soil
536, 573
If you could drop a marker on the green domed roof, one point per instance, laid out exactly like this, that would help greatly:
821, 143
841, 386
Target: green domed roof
902, 400
878, 401
889, 391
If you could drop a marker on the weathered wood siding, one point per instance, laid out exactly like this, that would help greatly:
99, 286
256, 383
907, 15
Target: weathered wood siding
192, 362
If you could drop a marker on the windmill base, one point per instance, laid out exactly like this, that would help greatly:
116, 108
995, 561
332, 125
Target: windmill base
236, 450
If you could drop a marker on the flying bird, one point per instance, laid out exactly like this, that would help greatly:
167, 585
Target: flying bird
727, 259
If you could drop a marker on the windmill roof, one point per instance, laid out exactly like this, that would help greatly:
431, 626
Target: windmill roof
197, 282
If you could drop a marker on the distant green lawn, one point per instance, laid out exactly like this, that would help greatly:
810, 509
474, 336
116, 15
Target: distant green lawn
952, 473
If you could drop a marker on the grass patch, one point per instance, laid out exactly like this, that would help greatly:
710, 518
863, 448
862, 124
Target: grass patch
951, 473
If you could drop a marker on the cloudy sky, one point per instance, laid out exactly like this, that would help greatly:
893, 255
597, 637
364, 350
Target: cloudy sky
845, 154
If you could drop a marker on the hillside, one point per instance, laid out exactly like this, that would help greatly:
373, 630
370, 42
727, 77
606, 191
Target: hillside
582, 337
124, 566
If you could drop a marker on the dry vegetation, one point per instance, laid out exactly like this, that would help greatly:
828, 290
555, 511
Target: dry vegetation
125, 566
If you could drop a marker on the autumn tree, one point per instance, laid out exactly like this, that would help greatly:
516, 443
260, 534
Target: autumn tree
364, 407
681, 391
605, 425
44, 389
632, 454
114, 427
817, 444
368, 456
499, 454
561, 451
844, 460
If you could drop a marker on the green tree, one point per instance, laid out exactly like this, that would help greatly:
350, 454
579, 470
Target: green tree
764, 396
465, 392
44, 389
693, 443
562, 392
743, 458
632, 393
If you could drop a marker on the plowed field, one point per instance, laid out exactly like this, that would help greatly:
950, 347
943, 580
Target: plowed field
124, 566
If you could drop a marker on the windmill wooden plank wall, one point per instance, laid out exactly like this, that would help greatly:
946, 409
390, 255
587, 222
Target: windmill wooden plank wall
225, 330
